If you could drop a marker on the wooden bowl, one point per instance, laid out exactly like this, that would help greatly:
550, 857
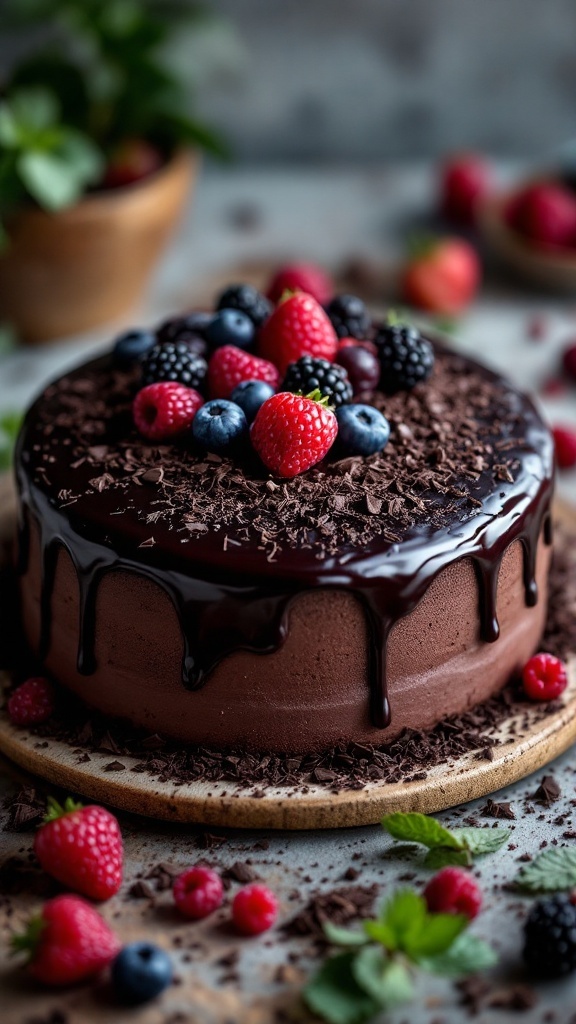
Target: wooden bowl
66, 272
550, 270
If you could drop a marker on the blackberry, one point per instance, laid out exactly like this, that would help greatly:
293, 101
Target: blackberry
406, 358
183, 328
248, 300
550, 937
349, 317
309, 374
175, 361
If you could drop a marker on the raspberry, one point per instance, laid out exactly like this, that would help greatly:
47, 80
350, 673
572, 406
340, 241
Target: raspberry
248, 300
32, 702
309, 374
349, 317
453, 891
291, 433
569, 361
406, 358
550, 937
82, 848
174, 361
198, 892
565, 443
67, 942
545, 213
164, 410
298, 327
544, 677
465, 182
254, 909
302, 277
229, 366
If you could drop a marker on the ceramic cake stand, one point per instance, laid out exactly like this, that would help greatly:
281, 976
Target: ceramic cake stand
523, 743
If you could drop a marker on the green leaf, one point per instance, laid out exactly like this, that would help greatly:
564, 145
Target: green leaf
50, 180
82, 155
466, 955
34, 109
9, 428
404, 915
552, 870
482, 840
381, 933
388, 982
334, 994
442, 856
419, 828
343, 936
436, 935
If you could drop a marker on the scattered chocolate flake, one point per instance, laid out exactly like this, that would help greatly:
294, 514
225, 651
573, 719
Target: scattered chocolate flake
115, 766
140, 890
25, 811
492, 809
240, 872
548, 791
516, 997
339, 906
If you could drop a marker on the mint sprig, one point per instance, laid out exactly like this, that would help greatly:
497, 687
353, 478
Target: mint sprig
551, 871
445, 846
376, 972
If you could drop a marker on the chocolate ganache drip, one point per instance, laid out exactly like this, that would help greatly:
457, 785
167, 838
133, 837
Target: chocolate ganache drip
481, 482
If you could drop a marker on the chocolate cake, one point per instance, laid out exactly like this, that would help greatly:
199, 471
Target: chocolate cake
201, 597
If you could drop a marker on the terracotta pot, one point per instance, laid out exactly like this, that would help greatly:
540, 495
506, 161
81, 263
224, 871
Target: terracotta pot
66, 272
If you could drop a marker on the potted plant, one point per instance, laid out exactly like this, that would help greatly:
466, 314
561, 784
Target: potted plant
97, 154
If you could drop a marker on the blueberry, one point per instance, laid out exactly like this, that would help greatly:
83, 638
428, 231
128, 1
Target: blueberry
132, 346
362, 430
230, 327
140, 972
250, 395
219, 424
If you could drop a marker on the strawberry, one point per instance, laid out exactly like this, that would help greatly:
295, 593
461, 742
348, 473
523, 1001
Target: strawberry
291, 432
230, 366
545, 213
298, 327
133, 160
67, 942
81, 847
302, 277
465, 181
443, 278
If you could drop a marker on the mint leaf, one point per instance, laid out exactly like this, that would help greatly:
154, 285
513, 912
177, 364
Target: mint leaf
403, 915
343, 936
335, 995
442, 856
386, 981
436, 935
381, 933
466, 955
419, 828
49, 179
552, 870
482, 840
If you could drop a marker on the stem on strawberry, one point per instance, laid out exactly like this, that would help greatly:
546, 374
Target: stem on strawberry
317, 396
54, 810
27, 941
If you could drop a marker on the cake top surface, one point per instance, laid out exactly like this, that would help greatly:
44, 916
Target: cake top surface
464, 445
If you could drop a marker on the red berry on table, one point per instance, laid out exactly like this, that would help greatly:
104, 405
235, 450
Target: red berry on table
545, 213
465, 181
443, 278
165, 409
198, 892
67, 942
565, 444
544, 677
255, 909
291, 433
229, 366
32, 702
131, 161
82, 848
453, 891
302, 277
297, 327
569, 361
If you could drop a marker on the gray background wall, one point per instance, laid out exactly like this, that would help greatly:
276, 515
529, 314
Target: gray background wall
343, 80
361, 79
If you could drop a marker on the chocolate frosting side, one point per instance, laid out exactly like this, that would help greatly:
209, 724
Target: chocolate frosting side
468, 471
